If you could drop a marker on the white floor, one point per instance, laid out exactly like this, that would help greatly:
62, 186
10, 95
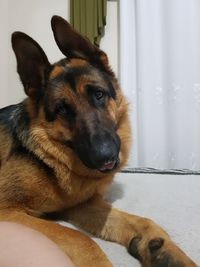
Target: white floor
173, 201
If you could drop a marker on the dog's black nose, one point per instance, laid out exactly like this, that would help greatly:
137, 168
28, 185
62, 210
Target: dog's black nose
99, 151
105, 149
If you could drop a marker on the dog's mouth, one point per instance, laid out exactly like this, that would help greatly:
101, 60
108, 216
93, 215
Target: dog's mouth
109, 166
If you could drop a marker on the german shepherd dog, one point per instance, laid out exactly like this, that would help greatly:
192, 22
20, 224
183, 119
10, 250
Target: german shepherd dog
61, 147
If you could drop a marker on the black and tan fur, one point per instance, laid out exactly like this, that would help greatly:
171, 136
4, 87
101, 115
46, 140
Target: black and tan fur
61, 147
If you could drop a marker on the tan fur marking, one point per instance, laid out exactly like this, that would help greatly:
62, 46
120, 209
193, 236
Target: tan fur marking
77, 62
56, 71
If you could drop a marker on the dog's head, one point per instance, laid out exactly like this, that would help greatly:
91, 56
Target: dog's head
76, 102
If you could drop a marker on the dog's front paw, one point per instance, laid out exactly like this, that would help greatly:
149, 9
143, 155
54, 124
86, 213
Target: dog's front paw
158, 252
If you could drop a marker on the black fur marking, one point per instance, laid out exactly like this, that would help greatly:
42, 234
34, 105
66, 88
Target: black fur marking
110, 88
5, 121
70, 78
15, 122
155, 244
50, 114
63, 62
60, 109
65, 111
133, 248
52, 216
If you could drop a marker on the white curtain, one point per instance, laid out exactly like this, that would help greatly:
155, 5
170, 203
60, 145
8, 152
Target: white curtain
160, 75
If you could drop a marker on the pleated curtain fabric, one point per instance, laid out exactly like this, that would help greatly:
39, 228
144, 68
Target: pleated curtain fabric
89, 18
160, 75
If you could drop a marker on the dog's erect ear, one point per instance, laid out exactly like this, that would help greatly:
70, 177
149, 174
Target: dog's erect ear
74, 45
32, 63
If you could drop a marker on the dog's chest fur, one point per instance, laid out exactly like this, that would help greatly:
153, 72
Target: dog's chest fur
44, 184
73, 189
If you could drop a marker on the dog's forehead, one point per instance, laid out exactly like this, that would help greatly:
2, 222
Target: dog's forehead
71, 71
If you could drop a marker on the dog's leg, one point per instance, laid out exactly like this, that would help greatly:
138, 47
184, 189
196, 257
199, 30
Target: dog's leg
82, 250
145, 240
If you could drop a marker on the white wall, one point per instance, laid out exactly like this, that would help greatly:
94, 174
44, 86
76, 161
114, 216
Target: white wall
109, 42
33, 18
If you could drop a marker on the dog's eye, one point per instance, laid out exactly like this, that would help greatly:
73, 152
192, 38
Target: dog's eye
65, 110
60, 108
96, 95
99, 94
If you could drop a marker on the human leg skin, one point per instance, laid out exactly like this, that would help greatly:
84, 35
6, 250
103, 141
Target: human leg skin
22, 246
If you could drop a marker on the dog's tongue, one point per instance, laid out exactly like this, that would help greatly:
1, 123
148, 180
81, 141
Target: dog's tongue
108, 166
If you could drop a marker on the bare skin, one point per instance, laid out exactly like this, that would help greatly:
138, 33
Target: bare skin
21, 246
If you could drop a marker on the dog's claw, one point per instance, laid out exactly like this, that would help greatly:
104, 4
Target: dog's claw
158, 253
155, 244
133, 247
